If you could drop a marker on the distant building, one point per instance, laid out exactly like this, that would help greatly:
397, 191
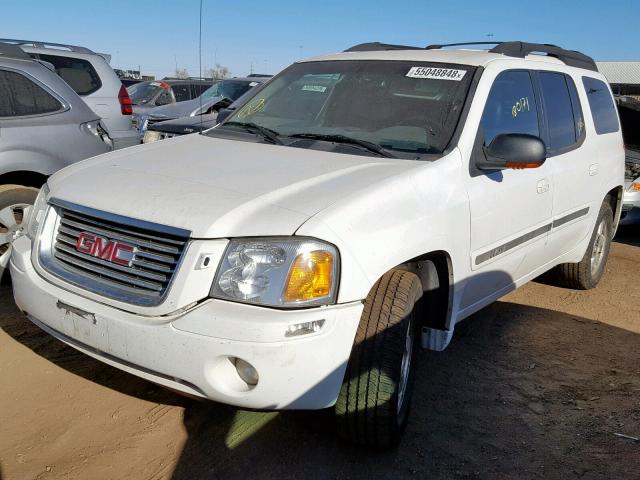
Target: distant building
624, 77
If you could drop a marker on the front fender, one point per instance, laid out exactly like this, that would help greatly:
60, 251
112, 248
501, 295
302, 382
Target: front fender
394, 221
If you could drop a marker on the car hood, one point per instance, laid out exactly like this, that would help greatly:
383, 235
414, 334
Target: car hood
185, 125
219, 188
181, 109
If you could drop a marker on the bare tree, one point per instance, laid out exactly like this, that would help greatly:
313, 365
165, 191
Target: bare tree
218, 72
181, 73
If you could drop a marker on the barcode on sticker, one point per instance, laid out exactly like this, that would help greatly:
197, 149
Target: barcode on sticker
437, 73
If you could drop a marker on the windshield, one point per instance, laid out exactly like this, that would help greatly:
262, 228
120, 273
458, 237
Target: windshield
231, 89
403, 107
143, 92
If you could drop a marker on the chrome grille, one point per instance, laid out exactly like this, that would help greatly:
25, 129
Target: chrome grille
157, 251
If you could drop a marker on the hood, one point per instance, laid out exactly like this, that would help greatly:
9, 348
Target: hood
186, 125
220, 188
182, 109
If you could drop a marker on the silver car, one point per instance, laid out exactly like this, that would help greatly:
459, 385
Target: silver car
631, 200
44, 126
219, 95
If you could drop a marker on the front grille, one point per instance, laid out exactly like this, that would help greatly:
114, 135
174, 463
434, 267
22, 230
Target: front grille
157, 251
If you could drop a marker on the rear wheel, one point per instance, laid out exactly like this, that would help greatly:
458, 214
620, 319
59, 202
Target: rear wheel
587, 273
373, 405
14, 200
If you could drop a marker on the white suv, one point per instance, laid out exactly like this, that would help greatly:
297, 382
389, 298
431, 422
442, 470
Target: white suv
359, 205
91, 76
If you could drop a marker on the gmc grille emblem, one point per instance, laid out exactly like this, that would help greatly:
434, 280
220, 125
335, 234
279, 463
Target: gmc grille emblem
105, 249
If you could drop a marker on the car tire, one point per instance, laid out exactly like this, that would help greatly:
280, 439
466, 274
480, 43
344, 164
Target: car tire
586, 274
13, 201
373, 404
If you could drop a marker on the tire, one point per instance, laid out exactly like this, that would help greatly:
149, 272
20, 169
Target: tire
373, 404
13, 200
586, 274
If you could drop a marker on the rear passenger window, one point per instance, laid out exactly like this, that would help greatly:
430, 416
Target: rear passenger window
511, 107
20, 96
559, 111
78, 73
603, 110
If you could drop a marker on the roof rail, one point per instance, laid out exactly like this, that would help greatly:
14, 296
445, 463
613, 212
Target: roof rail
8, 50
517, 49
377, 46
569, 57
38, 44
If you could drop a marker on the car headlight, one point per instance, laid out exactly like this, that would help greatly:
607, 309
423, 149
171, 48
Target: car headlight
635, 186
278, 272
150, 136
38, 210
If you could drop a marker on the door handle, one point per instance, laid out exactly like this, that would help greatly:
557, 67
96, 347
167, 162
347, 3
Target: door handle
593, 169
543, 186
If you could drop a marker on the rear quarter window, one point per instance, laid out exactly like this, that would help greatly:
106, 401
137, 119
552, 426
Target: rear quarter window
20, 96
603, 110
78, 73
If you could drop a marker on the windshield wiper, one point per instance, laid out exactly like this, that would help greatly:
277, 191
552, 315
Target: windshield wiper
370, 146
266, 133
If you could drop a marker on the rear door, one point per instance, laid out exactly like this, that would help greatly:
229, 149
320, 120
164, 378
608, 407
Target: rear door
575, 170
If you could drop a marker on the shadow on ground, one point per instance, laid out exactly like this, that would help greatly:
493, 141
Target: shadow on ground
522, 392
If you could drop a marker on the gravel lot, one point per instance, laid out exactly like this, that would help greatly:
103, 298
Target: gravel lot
534, 386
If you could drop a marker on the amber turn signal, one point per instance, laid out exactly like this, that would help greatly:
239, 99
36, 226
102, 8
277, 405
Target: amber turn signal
309, 277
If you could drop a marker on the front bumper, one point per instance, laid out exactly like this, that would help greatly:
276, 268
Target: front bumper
192, 351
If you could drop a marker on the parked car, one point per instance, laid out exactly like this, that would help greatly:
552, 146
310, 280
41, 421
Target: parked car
44, 126
185, 125
221, 94
629, 110
359, 205
179, 126
150, 94
631, 199
91, 77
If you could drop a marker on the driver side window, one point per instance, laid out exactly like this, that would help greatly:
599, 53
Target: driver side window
511, 106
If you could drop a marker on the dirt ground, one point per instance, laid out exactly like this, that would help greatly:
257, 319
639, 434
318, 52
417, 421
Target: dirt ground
534, 386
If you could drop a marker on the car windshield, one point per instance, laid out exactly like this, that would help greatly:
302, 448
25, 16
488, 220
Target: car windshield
143, 92
231, 89
407, 108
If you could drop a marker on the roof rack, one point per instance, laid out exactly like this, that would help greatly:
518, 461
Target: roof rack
377, 46
37, 44
517, 49
8, 50
569, 57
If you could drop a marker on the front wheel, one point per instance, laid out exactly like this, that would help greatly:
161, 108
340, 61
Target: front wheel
14, 200
373, 404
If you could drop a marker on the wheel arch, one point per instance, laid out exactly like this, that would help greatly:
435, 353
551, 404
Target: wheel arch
25, 178
614, 197
435, 307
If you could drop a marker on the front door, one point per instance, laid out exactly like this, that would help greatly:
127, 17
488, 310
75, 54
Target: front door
510, 209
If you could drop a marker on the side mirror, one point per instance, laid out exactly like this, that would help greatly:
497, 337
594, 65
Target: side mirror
513, 151
223, 114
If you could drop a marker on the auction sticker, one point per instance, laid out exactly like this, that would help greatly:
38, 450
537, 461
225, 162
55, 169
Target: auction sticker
437, 73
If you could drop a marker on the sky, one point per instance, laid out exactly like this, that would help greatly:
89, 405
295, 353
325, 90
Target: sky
266, 36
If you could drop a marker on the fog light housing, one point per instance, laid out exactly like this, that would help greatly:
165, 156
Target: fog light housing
246, 372
305, 328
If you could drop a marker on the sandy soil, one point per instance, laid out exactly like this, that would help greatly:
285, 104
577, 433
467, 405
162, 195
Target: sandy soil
534, 386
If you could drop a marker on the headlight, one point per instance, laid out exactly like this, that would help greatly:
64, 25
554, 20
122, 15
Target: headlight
36, 215
635, 186
279, 272
150, 136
